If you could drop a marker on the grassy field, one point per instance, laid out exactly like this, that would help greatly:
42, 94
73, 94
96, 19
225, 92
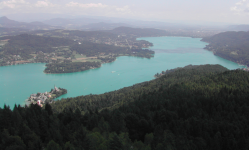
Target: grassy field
56, 36
39, 34
2, 43
33, 55
92, 60
83, 58
59, 30
80, 56
63, 49
75, 60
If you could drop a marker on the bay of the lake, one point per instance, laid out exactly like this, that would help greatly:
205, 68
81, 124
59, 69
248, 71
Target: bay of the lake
19, 81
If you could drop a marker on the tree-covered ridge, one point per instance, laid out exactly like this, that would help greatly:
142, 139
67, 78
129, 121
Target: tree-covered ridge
203, 107
128, 94
233, 46
70, 67
214, 69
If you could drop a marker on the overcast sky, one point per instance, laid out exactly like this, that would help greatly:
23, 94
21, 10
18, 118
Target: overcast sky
229, 11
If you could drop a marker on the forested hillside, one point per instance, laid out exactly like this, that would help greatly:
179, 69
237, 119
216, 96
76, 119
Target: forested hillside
197, 107
233, 46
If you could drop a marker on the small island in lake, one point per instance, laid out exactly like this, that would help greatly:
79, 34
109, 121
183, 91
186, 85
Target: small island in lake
70, 67
47, 97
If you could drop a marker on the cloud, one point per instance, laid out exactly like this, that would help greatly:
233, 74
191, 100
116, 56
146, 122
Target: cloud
97, 9
235, 8
45, 3
241, 8
82, 5
241, 2
123, 9
12, 4
73, 8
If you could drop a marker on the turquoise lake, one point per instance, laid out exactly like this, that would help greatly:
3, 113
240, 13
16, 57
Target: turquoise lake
19, 81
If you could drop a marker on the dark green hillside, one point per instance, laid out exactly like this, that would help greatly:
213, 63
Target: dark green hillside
128, 94
233, 46
192, 108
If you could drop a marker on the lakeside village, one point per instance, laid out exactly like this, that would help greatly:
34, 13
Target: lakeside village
47, 97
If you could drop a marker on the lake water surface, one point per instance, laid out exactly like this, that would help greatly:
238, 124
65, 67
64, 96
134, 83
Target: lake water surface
18, 82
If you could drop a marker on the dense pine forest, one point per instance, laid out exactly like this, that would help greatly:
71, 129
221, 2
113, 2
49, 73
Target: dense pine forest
230, 45
192, 108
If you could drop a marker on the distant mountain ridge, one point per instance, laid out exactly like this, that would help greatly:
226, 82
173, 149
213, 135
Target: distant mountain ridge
101, 22
139, 32
69, 22
103, 26
7, 23
87, 24
243, 27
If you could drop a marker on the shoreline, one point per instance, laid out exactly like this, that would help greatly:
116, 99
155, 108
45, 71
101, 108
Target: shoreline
75, 71
24, 64
227, 59
66, 74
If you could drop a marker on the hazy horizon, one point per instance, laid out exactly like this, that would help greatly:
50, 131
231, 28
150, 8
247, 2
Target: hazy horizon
177, 11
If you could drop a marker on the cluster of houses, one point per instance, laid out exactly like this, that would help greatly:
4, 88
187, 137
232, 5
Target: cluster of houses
41, 98
246, 69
